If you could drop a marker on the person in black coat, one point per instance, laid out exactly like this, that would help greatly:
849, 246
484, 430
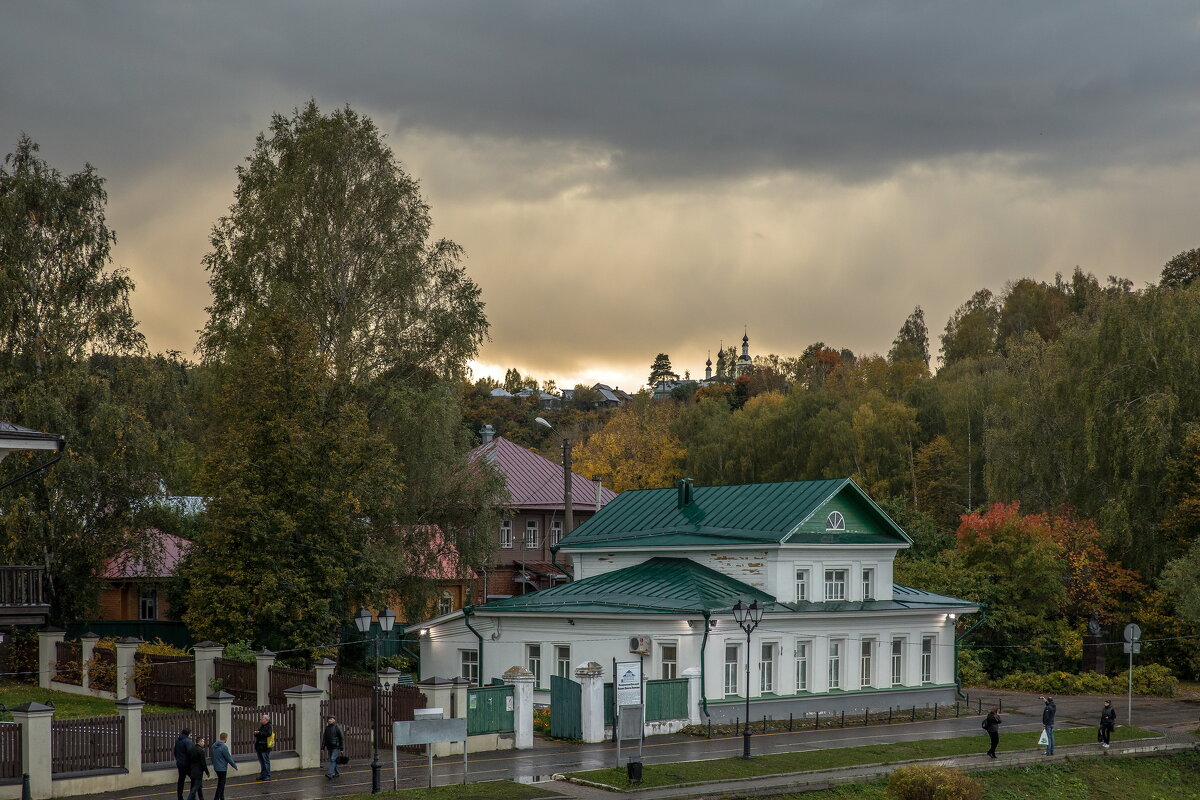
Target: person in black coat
182, 745
1048, 713
1108, 721
197, 769
262, 747
333, 739
992, 726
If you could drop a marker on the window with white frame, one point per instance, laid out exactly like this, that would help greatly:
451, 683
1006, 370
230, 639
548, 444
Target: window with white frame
533, 661
866, 674
802, 666
445, 604
732, 673
148, 603
531, 534
927, 659
835, 584
897, 662
801, 584
562, 660
668, 659
835, 664
506, 535
766, 668
556, 531
835, 521
468, 665
868, 576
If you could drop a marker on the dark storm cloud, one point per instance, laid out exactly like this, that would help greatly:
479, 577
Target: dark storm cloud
687, 90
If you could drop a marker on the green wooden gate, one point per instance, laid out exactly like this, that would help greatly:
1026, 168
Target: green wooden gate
490, 710
566, 708
666, 699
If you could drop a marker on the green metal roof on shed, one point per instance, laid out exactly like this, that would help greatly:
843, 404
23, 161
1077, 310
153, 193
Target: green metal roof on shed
756, 514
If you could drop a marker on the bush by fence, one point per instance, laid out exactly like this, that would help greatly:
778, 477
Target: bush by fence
1152, 679
932, 782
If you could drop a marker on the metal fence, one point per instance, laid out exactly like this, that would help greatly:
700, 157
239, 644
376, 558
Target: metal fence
159, 732
239, 678
87, 744
284, 678
246, 720
354, 715
666, 699
68, 657
166, 680
10, 751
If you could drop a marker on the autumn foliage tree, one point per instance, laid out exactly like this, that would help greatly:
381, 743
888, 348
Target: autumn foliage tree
636, 449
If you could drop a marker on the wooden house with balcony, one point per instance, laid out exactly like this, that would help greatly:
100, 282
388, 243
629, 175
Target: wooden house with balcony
22, 590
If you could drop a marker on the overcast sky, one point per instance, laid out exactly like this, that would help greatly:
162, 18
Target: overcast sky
630, 178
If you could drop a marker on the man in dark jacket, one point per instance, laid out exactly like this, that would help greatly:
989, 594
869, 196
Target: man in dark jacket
1108, 721
992, 726
197, 769
182, 745
262, 747
333, 740
1048, 713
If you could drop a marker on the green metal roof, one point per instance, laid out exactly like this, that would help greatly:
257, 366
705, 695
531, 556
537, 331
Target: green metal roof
659, 585
754, 514
681, 586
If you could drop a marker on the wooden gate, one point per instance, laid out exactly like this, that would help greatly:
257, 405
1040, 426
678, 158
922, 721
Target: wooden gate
353, 712
566, 708
490, 710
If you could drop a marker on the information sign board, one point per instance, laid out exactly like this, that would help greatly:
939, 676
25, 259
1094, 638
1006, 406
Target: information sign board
629, 683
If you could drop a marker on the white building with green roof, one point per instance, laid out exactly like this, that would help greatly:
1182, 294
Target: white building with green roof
668, 565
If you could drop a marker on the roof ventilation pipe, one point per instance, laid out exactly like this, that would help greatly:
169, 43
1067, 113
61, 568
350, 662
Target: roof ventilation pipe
685, 491
488, 433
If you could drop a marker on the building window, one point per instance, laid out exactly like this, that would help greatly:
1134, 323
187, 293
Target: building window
148, 603
801, 666
801, 585
531, 535
835, 665
731, 668
835, 584
669, 658
556, 531
766, 669
897, 662
927, 659
506, 535
445, 603
868, 584
866, 665
835, 521
533, 658
468, 665
562, 660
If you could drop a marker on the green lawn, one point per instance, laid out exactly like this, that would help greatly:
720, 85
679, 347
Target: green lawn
655, 775
1173, 777
65, 704
492, 790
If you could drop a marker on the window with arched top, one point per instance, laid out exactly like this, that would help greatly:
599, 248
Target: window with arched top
835, 521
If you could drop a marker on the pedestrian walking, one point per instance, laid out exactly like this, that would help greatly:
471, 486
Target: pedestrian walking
197, 769
333, 740
1048, 712
1108, 721
222, 760
182, 745
264, 743
992, 725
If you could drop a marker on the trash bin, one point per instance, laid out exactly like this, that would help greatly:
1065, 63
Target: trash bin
633, 771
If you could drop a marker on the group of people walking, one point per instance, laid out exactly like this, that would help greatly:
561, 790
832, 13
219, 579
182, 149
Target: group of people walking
1108, 722
191, 761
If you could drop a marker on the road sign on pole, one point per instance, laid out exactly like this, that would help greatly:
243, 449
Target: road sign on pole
1133, 644
1133, 632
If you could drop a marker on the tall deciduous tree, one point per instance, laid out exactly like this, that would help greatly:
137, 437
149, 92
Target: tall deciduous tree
637, 448
1181, 270
65, 331
912, 342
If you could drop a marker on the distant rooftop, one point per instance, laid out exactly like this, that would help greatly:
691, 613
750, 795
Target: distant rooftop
536, 482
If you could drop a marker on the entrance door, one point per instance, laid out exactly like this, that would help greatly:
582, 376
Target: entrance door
566, 708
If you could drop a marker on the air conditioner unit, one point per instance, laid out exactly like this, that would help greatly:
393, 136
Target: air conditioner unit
639, 645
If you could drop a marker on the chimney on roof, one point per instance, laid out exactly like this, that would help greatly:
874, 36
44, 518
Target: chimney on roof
488, 433
685, 491
599, 481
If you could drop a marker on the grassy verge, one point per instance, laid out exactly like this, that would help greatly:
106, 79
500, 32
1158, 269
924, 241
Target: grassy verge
655, 775
492, 790
1173, 776
66, 705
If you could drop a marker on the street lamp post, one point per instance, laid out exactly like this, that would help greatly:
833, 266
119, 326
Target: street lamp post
747, 618
362, 621
568, 506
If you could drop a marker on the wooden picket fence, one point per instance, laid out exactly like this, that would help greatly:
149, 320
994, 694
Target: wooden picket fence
159, 732
87, 744
10, 751
284, 678
169, 681
353, 712
239, 678
246, 721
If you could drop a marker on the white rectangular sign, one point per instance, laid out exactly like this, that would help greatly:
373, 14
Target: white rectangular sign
429, 731
628, 683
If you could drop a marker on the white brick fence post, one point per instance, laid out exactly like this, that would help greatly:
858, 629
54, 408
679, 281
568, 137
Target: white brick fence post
205, 653
34, 719
591, 683
126, 651
324, 670
693, 678
48, 639
521, 680
87, 648
263, 662
307, 702
130, 709
222, 703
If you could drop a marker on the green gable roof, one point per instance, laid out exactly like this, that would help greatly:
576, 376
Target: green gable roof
754, 514
660, 585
